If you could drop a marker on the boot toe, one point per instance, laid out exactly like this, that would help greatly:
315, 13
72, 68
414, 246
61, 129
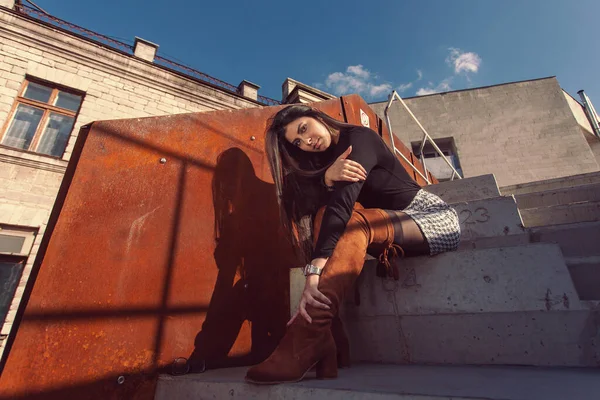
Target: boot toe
263, 375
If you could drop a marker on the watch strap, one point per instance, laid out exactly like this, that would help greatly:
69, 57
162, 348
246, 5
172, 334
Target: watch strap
310, 269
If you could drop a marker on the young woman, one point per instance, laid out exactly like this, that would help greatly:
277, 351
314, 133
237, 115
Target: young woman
322, 168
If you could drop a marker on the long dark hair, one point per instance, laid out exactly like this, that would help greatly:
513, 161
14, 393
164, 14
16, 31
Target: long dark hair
297, 174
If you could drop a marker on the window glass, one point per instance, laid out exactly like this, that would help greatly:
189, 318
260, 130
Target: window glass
35, 91
55, 137
11, 244
23, 126
68, 101
10, 274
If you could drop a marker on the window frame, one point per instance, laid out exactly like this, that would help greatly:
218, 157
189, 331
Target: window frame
28, 233
47, 107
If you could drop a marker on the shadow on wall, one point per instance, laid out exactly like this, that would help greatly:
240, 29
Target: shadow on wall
250, 286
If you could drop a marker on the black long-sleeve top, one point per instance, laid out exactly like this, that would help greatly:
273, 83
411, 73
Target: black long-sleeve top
388, 186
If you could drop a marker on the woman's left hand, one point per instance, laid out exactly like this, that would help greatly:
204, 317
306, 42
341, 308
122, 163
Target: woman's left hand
311, 295
345, 170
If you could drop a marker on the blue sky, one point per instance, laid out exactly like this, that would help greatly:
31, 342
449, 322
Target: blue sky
368, 46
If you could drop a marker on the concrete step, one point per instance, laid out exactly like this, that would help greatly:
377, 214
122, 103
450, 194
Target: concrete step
550, 184
403, 382
580, 245
562, 214
585, 273
581, 239
522, 278
493, 217
513, 305
467, 189
555, 197
535, 338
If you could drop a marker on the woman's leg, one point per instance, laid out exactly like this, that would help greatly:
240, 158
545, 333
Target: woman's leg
308, 344
407, 234
342, 343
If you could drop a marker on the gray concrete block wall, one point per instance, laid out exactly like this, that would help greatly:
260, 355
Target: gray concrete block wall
520, 132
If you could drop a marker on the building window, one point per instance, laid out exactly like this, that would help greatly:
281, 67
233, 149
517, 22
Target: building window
434, 161
11, 270
15, 246
42, 118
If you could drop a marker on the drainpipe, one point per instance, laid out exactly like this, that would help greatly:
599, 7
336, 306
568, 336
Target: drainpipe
590, 112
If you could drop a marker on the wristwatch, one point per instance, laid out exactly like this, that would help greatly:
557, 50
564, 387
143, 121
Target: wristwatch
310, 269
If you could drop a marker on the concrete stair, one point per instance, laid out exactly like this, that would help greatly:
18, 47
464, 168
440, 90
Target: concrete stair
469, 189
566, 211
512, 295
558, 201
552, 184
507, 297
513, 305
387, 382
580, 246
561, 214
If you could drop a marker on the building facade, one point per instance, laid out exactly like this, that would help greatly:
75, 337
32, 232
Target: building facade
52, 82
520, 132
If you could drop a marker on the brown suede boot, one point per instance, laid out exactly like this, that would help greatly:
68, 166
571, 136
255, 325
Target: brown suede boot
306, 345
342, 344
340, 337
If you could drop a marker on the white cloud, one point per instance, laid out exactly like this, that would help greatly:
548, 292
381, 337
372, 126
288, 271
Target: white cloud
356, 79
359, 71
461, 62
403, 87
467, 62
376, 90
443, 86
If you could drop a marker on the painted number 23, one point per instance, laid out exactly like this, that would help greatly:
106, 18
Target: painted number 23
480, 215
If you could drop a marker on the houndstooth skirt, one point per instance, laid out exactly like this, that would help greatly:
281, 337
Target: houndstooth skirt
437, 220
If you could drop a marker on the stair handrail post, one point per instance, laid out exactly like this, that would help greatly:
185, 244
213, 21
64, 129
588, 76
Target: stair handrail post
394, 95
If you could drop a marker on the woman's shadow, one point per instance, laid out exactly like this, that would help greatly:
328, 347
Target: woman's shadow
253, 260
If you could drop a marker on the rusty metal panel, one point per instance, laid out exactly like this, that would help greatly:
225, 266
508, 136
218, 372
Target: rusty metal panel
402, 148
168, 236
164, 242
419, 166
358, 112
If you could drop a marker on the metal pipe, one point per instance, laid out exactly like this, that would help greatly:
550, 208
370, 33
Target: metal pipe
426, 135
590, 112
421, 156
394, 149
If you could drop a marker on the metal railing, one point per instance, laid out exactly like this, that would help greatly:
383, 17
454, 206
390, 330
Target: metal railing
43, 16
394, 95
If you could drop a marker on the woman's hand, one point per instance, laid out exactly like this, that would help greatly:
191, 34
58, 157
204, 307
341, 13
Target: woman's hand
312, 296
345, 170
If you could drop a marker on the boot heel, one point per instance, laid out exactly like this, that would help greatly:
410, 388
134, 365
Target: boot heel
327, 367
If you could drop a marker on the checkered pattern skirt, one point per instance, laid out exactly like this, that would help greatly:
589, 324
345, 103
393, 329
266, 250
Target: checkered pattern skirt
437, 220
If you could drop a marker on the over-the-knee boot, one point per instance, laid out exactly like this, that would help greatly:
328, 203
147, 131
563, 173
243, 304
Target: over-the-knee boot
308, 344
340, 337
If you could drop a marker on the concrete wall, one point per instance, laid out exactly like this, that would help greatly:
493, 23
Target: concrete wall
584, 125
115, 85
520, 132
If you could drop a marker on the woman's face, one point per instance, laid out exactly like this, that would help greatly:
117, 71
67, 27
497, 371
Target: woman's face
308, 134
